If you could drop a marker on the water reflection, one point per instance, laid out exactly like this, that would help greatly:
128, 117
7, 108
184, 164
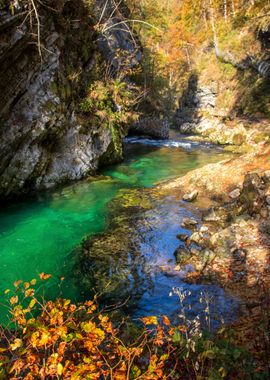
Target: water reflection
132, 263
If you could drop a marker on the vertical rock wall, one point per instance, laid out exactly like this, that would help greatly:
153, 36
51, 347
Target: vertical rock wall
43, 139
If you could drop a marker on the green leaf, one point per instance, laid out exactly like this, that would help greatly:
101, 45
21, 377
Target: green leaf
209, 354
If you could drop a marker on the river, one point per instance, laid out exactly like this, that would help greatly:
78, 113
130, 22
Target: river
41, 234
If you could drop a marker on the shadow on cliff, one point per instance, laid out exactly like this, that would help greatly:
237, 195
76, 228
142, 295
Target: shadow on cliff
188, 104
252, 100
253, 82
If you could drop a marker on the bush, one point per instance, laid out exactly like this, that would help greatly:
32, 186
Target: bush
61, 340
111, 101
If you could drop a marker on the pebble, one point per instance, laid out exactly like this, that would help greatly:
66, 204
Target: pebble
191, 196
187, 222
235, 194
204, 229
264, 213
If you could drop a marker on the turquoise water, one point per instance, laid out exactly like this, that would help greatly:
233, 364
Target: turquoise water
39, 235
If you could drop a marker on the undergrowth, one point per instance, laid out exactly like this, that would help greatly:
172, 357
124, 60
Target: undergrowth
61, 340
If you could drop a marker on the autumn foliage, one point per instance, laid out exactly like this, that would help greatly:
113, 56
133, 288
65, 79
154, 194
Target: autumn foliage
70, 341
181, 30
61, 340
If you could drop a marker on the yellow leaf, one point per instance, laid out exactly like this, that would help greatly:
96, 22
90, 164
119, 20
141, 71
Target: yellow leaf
32, 303
29, 292
88, 326
60, 369
66, 303
13, 300
17, 344
45, 337
150, 320
223, 373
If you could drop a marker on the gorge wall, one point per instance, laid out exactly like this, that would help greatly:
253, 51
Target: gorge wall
44, 140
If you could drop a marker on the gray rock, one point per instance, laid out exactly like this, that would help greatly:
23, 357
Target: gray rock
189, 222
191, 196
211, 216
196, 237
151, 126
43, 141
266, 176
235, 194
204, 229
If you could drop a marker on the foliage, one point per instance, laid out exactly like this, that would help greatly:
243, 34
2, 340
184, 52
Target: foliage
187, 28
110, 102
61, 340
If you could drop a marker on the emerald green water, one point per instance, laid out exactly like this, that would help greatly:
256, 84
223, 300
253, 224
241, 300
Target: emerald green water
39, 235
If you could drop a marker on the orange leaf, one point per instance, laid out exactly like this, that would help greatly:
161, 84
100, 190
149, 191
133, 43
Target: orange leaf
150, 320
166, 321
26, 285
17, 283
13, 300
44, 276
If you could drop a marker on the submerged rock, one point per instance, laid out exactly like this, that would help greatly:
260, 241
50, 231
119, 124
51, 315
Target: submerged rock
182, 255
182, 237
111, 262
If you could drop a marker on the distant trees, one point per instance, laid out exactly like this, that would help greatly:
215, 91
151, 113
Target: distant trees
186, 25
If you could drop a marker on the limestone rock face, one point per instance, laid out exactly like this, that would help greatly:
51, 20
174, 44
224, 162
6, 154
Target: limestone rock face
151, 126
198, 114
195, 100
43, 139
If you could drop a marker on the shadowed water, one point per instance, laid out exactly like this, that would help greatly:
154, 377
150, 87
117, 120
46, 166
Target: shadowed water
39, 235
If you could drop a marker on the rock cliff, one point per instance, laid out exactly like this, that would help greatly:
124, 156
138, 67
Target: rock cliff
44, 141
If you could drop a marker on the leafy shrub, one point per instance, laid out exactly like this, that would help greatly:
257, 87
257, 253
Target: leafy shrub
111, 101
61, 340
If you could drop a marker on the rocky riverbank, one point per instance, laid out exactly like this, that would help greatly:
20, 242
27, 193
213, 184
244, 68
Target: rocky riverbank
230, 243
